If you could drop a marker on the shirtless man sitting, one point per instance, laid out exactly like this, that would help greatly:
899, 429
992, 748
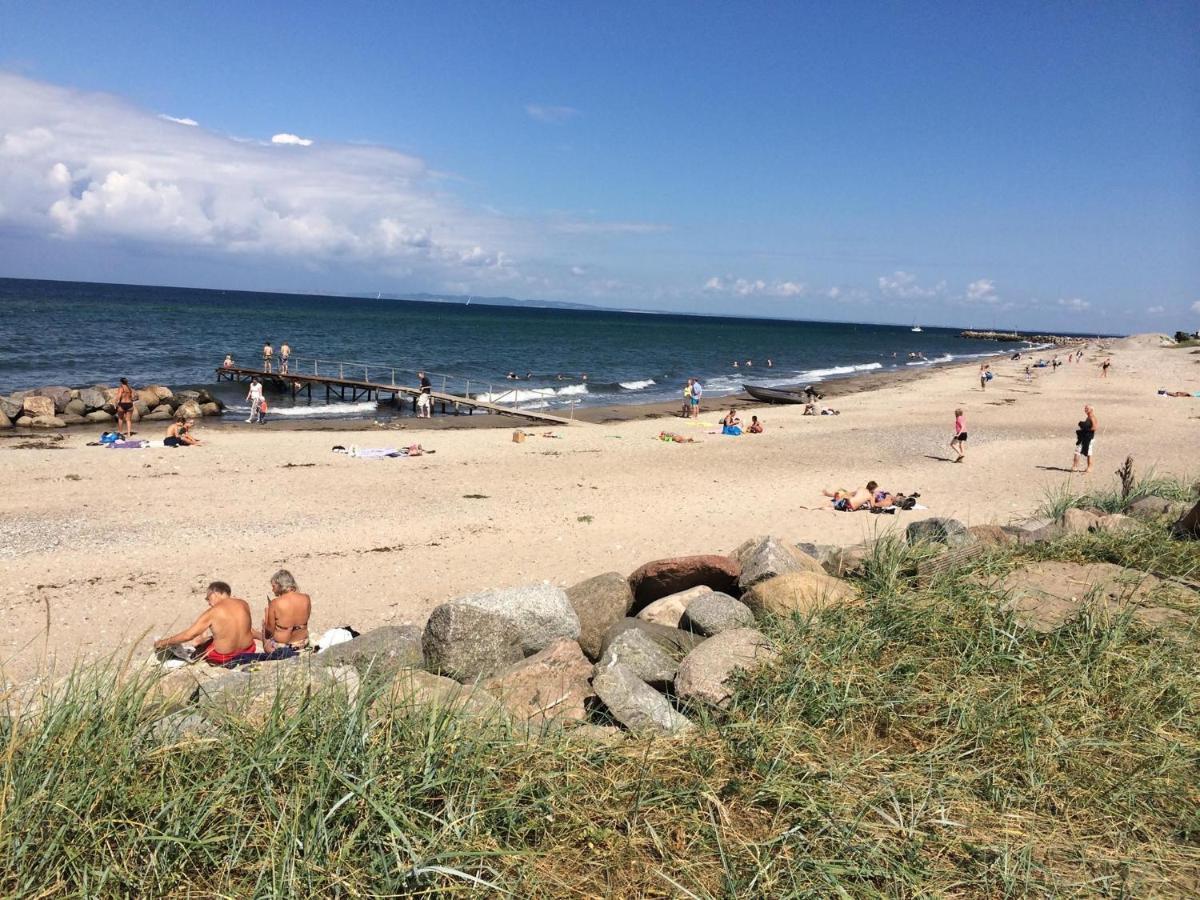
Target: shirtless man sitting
228, 618
285, 623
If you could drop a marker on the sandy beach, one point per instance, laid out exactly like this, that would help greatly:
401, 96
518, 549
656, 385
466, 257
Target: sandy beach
103, 550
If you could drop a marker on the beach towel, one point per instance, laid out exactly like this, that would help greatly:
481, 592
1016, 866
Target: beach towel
734, 430
128, 445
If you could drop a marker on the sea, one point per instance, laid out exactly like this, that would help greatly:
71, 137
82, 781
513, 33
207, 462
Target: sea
79, 334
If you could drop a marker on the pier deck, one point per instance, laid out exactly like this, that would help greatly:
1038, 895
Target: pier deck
352, 389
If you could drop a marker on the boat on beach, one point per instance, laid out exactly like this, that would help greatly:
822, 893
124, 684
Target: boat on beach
774, 395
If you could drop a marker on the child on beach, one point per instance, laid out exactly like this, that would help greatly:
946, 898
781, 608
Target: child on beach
960, 435
756, 426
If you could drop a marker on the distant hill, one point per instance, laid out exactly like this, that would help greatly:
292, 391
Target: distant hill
483, 301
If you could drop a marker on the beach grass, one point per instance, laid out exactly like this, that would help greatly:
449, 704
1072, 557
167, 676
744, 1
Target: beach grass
1062, 497
919, 743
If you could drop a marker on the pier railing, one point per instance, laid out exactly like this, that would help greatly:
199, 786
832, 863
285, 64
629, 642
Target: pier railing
401, 376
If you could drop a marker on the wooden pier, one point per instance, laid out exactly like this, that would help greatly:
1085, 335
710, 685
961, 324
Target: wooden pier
339, 387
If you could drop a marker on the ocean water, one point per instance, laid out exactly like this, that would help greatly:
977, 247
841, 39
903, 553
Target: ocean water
80, 334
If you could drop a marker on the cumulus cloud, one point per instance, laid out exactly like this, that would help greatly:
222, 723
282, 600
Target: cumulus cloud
540, 112
754, 287
1155, 310
1075, 304
295, 139
192, 122
92, 167
982, 291
1196, 307
578, 271
904, 286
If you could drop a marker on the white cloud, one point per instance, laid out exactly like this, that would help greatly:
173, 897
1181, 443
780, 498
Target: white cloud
903, 286
285, 138
93, 168
578, 271
1156, 310
542, 113
191, 122
982, 291
756, 287
1075, 304
1196, 307
834, 292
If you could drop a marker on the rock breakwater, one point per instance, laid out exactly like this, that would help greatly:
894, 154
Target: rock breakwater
60, 407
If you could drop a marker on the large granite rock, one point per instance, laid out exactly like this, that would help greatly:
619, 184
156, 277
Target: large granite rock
634, 704
797, 592
642, 655
1188, 525
706, 674
552, 685
75, 407
663, 577
992, 535
417, 691
72, 419
5, 421
189, 409
37, 406
59, 396
159, 414
254, 693
179, 688
675, 642
466, 643
92, 399
1034, 531
1151, 507
599, 602
380, 652
210, 409
1114, 522
669, 610
938, 530
765, 557
1077, 521
47, 422
100, 416
154, 394
23, 421
10, 407
525, 618
715, 613
852, 560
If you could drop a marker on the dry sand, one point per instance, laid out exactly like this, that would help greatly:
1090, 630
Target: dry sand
101, 550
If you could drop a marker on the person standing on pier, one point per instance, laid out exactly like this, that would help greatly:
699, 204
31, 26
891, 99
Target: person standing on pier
425, 401
285, 353
268, 353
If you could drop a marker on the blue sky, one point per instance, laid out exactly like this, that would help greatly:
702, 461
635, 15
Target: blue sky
1018, 164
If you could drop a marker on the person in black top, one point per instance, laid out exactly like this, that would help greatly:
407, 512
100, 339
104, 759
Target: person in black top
425, 401
1085, 436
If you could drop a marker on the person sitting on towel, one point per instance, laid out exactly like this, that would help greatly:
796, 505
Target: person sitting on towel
227, 618
179, 434
285, 623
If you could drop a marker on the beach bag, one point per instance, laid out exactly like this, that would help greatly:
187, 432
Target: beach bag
262, 407
109, 437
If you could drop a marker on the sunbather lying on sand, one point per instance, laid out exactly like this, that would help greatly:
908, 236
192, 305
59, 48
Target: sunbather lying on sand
228, 618
869, 497
672, 438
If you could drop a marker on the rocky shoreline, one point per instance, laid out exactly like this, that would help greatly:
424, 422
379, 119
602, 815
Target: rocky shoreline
59, 407
649, 653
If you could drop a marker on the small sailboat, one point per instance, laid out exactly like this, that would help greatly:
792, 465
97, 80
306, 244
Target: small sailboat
916, 328
469, 300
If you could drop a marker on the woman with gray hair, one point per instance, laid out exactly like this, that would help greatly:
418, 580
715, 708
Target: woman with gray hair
285, 623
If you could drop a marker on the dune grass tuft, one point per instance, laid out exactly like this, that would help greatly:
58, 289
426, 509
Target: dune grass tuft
919, 743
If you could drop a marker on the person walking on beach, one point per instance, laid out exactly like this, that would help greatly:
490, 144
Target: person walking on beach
1085, 441
123, 401
1104, 368
687, 399
268, 354
985, 375
255, 399
697, 393
960, 435
285, 353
